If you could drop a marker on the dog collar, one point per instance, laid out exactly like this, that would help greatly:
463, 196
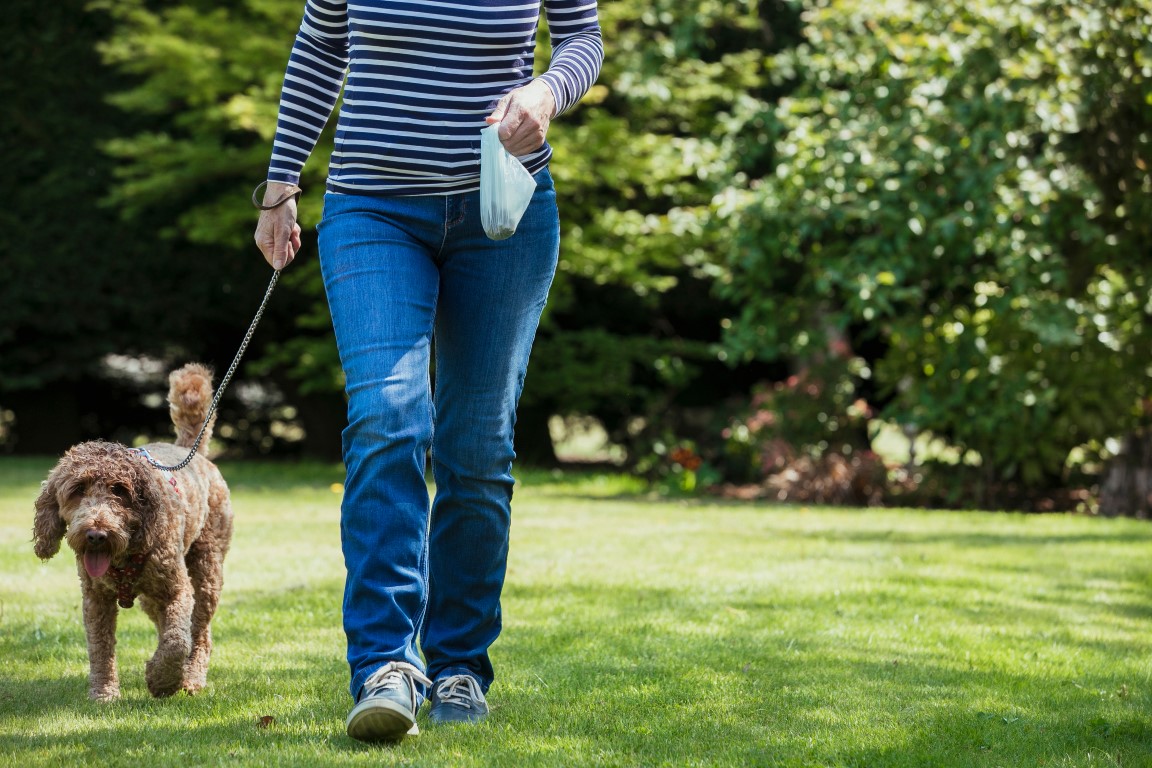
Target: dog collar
125, 579
168, 476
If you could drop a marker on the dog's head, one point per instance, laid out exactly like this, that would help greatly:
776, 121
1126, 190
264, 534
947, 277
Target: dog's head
101, 499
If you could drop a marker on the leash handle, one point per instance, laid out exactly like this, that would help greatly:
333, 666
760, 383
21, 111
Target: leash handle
256, 197
223, 384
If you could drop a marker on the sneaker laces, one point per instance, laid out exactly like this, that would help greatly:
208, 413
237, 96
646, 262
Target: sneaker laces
395, 676
461, 691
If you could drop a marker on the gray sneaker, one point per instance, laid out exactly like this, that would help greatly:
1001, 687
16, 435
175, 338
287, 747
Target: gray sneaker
387, 707
457, 699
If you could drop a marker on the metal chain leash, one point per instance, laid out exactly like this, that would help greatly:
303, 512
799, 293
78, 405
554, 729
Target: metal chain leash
221, 388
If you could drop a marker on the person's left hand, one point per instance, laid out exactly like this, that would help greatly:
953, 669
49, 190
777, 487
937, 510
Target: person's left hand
524, 115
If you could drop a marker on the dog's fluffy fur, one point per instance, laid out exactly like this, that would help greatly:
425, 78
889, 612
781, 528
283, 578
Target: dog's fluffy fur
111, 506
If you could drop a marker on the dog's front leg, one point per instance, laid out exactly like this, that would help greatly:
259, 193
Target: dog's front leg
100, 628
165, 671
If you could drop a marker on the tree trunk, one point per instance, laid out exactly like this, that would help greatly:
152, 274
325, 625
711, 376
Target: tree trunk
533, 440
323, 417
1126, 490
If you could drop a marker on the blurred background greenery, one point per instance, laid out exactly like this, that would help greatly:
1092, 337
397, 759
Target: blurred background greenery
861, 251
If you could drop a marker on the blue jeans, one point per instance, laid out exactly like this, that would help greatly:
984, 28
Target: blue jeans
406, 276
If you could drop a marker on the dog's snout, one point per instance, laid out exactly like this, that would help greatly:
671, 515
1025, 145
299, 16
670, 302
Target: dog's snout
96, 537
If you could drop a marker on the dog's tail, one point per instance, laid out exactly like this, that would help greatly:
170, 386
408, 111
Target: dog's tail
189, 396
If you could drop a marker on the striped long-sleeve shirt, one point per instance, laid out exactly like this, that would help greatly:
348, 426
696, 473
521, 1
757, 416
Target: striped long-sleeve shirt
421, 77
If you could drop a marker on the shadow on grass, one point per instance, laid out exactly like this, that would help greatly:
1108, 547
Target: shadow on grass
977, 537
133, 730
261, 707
654, 676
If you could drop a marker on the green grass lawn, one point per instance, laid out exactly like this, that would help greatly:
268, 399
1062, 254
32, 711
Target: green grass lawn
638, 632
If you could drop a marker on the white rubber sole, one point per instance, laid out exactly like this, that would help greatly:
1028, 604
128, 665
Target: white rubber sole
376, 719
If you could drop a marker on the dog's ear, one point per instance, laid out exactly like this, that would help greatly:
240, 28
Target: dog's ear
48, 529
148, 498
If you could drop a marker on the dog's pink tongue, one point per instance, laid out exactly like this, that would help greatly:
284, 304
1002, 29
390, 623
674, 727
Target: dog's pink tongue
96, 563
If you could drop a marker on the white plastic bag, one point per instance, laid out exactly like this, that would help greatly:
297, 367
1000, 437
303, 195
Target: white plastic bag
506, 187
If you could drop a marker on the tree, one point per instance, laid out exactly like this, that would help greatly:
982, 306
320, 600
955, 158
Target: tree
68, 294
632, 332
631, 324
90, 271
962, 192
210, 89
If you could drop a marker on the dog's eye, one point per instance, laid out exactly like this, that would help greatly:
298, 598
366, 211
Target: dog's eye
71, 492
122, 493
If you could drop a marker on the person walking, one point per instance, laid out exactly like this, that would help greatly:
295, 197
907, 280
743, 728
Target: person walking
412, 280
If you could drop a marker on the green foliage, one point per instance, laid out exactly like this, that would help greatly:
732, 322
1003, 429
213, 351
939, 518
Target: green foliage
213, 76
636, 167
962, 189
67, 295
943, 206
309, 355
594, 365
209, 78
125, 221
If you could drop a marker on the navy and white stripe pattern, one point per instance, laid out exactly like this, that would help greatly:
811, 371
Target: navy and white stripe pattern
421, 77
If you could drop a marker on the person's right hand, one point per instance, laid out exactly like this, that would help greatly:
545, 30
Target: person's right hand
277, 233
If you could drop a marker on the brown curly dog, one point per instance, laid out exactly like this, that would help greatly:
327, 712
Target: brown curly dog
137, 531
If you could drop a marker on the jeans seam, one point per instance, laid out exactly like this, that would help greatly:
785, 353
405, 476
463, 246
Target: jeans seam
463, 199
449, 224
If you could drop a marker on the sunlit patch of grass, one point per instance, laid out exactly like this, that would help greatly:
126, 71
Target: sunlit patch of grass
637, 632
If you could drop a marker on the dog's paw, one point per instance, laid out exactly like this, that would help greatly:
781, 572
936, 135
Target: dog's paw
195, 678
162, 689
104, 695
163, 678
